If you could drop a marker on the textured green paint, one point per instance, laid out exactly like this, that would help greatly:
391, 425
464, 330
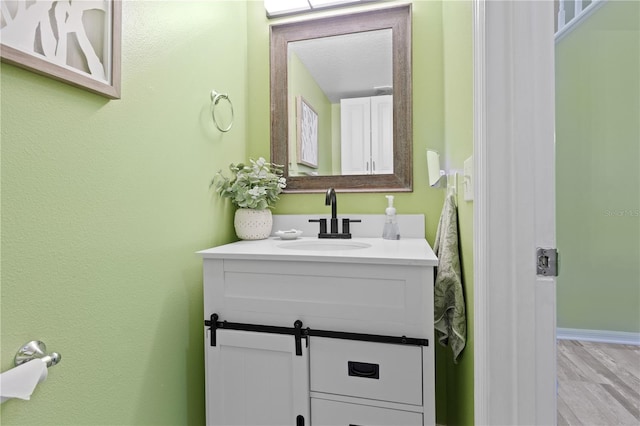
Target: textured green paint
301, 83
434, 97
104, 204
458, 119
598, 178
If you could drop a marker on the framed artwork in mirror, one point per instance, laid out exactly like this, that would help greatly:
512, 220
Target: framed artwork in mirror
75, 42
307, 134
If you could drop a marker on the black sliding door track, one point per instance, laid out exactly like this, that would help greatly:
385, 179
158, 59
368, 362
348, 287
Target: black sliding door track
298, 332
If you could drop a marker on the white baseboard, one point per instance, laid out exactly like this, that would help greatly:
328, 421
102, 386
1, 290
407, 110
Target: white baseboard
602, 336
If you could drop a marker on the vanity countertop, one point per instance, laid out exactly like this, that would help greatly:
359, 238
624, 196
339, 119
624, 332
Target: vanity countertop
406, 251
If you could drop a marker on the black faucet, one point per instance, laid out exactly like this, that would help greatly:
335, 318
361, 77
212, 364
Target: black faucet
330, 199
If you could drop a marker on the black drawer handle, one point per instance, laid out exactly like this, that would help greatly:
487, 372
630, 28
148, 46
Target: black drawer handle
363, 369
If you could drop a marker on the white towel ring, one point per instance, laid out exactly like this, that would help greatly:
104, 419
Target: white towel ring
215, 98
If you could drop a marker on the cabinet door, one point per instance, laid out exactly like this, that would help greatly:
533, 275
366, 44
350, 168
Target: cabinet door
382, 134
337, 413
355, 136
256, 379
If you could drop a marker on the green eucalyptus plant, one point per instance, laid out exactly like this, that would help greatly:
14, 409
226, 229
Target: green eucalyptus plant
255, 186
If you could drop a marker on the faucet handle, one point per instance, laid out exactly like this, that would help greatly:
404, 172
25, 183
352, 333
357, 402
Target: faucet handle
323, 224
346, 230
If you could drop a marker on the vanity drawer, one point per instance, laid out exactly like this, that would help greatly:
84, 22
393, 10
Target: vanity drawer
336, 413
381, 371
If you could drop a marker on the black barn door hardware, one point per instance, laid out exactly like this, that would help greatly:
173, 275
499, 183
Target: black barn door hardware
299, 333
296, 331
403, 340
212, 323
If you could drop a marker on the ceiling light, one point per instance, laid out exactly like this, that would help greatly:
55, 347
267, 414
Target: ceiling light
316, 4
285, 7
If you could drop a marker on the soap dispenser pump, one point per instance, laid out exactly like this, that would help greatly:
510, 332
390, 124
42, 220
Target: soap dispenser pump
391, 230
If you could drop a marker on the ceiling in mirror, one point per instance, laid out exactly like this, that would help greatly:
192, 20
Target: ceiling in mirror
349, 65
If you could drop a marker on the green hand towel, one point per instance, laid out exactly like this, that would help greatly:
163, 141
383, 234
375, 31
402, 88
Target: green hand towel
449, 311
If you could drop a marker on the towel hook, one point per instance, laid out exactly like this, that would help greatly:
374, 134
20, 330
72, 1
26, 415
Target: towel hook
452, 184
215, 98
36, 349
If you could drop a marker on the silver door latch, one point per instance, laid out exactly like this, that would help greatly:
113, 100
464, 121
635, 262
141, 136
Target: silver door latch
547, 262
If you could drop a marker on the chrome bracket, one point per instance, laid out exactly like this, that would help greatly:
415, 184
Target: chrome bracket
36, 349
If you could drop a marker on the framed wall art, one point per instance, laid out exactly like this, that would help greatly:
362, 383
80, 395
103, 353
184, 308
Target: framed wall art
307, 134
77, 42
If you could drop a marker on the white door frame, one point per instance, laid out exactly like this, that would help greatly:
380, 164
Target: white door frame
514, 212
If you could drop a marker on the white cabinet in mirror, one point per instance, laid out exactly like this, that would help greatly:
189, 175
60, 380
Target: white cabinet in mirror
367, 135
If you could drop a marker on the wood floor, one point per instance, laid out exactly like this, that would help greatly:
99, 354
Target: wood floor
598, 384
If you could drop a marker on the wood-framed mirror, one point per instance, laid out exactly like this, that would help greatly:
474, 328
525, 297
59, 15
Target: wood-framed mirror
298, 127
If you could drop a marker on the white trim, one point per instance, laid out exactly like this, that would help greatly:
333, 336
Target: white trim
481, 379
514, 328
584, 14
577, 7
601, 336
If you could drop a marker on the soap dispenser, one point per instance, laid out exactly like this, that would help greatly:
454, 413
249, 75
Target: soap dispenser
391, 230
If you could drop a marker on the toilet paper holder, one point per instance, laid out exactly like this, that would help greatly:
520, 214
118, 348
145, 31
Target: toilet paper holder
36, 349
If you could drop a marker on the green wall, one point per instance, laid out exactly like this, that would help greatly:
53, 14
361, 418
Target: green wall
104, 204
434, 96
597, 172
302, 83
458, 122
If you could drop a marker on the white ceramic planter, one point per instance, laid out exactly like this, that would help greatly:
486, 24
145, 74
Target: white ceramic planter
253, 224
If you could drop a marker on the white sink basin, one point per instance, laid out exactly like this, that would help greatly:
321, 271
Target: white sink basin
324, 245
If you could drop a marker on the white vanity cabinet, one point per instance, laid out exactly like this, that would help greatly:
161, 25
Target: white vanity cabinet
320, 337
367, 135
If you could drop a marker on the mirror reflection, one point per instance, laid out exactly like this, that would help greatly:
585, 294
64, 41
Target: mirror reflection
341, 104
